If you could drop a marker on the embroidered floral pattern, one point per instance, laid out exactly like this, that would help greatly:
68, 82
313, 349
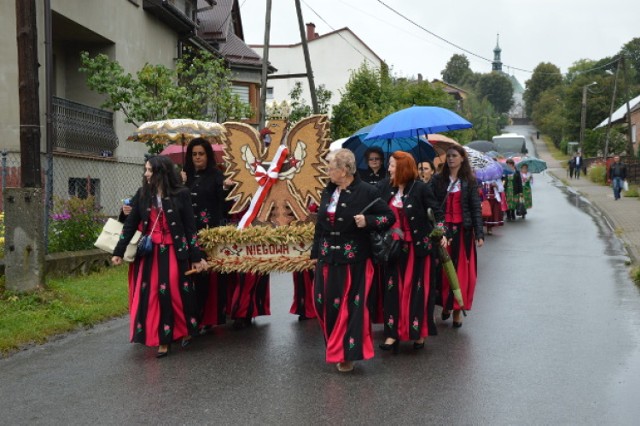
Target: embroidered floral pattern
350, 250
381, 220
356, 300
204, 217
390, 284
163, 288
319, 298
167, 329
163, 248
193, 322
415, 325
185, 287
139, 328
324, 248
336, 302
390, 321
352, 343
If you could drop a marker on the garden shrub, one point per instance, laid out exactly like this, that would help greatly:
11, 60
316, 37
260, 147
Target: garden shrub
75, 224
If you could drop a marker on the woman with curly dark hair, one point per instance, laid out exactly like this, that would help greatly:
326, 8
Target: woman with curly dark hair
162, 306
456, 189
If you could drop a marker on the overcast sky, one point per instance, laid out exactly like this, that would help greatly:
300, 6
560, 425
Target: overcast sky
531, 31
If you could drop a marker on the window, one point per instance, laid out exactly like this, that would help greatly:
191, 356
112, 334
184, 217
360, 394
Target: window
242, 92
269, 93
83, 187
634, 133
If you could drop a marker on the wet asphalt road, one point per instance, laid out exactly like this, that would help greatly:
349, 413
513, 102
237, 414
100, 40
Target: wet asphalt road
553, 338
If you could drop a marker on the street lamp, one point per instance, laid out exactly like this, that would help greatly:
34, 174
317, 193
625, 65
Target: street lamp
583, 112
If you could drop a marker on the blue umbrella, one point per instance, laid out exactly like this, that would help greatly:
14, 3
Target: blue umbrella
358, 144
416, 120
535, 164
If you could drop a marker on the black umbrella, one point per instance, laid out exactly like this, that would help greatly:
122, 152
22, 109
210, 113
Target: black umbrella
482, 146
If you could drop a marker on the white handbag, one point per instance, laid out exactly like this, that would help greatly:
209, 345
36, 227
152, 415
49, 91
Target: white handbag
110, 236
625, 185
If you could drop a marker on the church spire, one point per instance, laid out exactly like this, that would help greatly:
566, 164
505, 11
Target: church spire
496, 65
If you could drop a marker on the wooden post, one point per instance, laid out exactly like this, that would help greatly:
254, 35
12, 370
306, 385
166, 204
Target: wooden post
626, 93
307, 60
27, 37
265, 66
613, 103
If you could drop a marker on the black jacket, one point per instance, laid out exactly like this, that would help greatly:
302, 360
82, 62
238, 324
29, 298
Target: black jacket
179, 216
343, 242
207, 197
617, 170
369, 176
471, 212
418, 197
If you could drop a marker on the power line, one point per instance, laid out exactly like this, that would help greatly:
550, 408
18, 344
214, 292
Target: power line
341, 36
475, 54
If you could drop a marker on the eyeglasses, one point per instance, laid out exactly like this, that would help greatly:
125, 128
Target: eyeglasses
198, 154
374, 159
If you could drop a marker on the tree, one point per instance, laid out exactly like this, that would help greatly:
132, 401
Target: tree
199, 88
299, 107
545, 76
497, 89
457, 70
372, 94
631, 51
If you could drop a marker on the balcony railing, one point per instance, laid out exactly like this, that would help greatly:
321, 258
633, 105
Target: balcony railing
81, 128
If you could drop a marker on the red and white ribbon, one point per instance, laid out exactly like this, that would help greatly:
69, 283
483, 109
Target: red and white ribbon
265, 179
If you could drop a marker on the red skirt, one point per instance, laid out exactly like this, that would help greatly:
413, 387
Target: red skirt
408, 315
303, 294
249, 295
340, 296
213, 298
497, 215
161, 298
463, 254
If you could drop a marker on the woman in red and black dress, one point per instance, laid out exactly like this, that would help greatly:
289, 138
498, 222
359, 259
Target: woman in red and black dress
408, 298
456, 188
162, 308
344, 269
206, 183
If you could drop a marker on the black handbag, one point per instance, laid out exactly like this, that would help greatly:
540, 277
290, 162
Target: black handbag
383, 246
521, 210
145, 245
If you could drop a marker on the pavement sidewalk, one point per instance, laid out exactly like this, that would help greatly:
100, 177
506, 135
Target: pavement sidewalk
623, 214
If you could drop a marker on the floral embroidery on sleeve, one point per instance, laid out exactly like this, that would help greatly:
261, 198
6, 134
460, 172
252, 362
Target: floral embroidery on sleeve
350, 250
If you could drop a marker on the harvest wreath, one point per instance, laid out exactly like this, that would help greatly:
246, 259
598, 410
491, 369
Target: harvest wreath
258, 249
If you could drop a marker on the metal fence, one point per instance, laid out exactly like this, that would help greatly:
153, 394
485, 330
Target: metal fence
108, 179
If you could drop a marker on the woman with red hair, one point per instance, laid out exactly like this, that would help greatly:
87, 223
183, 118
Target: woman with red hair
408, 299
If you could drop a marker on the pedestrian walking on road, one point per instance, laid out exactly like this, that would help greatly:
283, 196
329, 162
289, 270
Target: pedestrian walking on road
617, 176
162, 307
344, 268
457, 189
578, 165
512, 189
409, 279
527, 181
572, 166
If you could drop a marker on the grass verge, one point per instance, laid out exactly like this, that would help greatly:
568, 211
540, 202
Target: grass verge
65, 305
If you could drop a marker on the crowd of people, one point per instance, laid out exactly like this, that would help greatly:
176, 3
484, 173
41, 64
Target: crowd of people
347, 291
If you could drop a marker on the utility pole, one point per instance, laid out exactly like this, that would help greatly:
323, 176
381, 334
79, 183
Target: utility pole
613, 103
307, 60
24, 238
583, 112
626, 90
265, 66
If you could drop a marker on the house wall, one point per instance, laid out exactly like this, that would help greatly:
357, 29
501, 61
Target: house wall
128, 35
333, 59
635, 125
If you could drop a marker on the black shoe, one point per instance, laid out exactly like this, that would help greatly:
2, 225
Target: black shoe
390, 346
241, 323
303, 318
186, 342
162, 354
457, 324
417, 345
445, 315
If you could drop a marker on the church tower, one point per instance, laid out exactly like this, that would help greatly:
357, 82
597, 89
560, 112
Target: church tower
497, 63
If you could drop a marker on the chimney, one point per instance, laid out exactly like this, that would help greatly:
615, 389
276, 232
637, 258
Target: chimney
419, 78
311, 31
